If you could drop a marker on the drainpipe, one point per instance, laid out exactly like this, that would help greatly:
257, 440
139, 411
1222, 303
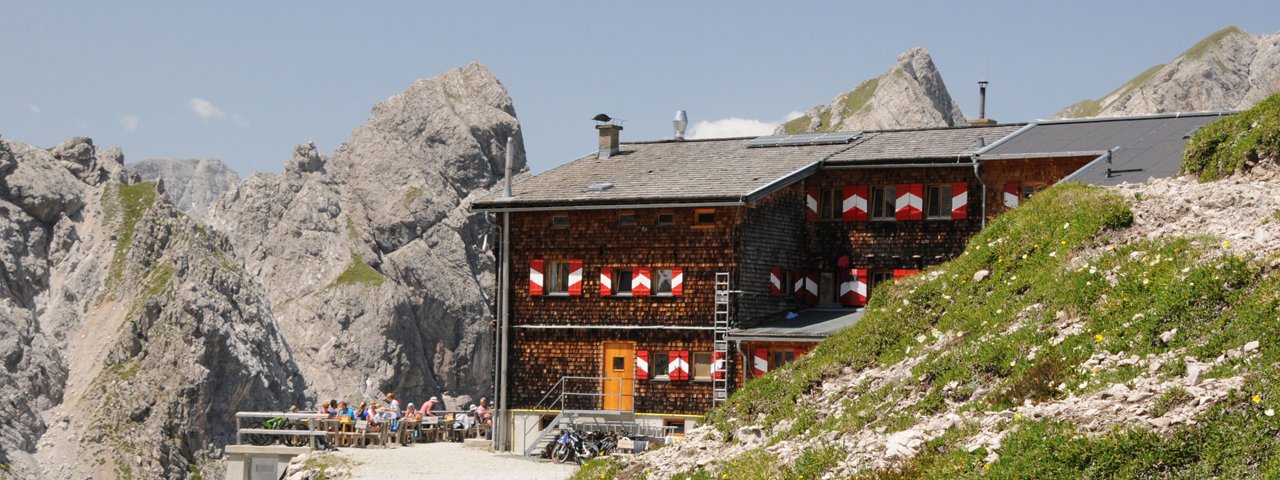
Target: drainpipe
976, 164
743, 363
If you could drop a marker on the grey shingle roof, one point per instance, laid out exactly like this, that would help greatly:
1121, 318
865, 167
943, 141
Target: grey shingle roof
1149, 146
936, 143
667, 171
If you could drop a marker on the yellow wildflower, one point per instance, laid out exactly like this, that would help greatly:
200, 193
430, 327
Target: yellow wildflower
1226, 244
986, 466
1097, 338
1017, 416
1256, 399
1064, 242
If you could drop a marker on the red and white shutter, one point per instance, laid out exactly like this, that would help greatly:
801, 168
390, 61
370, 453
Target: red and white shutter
775, 282
811, 203
904, 273
677, 281
640, 282
717, 365
575, 277
642, 364
759, 362
606, 281
853, 291
959, 201
797, 286
855, 203
535, 277
910, 203
1012, 194
678, 367
811, 287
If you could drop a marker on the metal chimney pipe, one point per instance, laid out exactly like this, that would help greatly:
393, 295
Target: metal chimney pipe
506, 179
681, 121
982, 99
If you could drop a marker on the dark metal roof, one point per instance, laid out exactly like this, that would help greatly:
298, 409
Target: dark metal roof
1149, 146
812, 324
921, 144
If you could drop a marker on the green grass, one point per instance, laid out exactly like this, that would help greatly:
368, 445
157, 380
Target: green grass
131, 202
797, 125
1230, 145
411, 196
1092, 107
856, 100
1200, 48
1171, 398
359, 272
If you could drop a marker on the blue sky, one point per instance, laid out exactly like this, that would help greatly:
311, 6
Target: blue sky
245, 81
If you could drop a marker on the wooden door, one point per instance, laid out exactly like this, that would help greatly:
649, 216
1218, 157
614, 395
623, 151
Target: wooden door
619, 375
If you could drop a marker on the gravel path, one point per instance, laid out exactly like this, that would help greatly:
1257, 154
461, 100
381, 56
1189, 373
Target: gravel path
446, 460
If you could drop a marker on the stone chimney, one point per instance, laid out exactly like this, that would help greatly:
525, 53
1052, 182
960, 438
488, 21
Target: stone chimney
608, 139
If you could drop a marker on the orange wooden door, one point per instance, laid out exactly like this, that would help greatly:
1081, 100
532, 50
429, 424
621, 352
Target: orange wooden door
619, 373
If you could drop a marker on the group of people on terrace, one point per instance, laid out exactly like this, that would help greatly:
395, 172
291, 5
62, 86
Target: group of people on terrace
389, 412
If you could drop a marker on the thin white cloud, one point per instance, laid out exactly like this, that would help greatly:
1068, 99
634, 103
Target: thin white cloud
731, 127
33, 108
129, 123
205, 109
792, 115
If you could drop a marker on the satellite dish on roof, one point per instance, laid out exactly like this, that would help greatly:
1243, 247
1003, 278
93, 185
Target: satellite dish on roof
602, 118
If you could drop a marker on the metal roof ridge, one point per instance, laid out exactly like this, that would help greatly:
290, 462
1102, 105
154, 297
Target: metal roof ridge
1151, 116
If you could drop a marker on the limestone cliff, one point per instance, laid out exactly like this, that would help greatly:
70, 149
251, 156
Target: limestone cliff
909, 95
1229, 70
371, 261
190, 183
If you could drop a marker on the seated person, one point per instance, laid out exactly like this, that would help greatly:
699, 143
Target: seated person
428, 406
484, 413
362, 412
345, 412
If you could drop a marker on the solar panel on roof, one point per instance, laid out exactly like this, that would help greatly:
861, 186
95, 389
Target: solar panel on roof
803, 139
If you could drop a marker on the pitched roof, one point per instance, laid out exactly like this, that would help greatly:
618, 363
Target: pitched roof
1146, 147
721, 170
809, 324
921, 144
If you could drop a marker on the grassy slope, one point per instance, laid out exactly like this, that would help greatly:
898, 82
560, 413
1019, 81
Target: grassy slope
1216, 299
1227, 146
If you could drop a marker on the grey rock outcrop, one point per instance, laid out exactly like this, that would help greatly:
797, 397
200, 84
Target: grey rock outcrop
191, 184
371, 260
910, 95
127, 336
1228, 70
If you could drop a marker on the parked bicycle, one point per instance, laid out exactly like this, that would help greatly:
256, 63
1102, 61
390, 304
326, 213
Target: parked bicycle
571, 445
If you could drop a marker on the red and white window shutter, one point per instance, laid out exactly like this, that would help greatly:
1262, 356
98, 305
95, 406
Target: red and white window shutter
640, 282
677, 281
853, 291
717, 365
775, 282
606, 281
642, 364
959, 201
811, 203
575, 277
678, 367
535, 277
1012, 194
797, 286
904, 273
910, 202
759, 362
811, 287
855, 203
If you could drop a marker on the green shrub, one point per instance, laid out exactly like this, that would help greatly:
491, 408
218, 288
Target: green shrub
1229, 145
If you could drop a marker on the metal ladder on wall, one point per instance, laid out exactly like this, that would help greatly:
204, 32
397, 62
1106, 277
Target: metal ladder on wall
720, 382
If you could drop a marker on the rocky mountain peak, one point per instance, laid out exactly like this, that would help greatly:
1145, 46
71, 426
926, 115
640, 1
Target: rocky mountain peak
306, 159
190, 184
1230, 69
910, 95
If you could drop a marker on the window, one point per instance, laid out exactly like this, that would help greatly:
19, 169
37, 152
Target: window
704, 217
622, 282
559, 221
938, 202
619, 364
676, 427
557, 278
662, 281
702, 366
666, 219
782, 357
827, 288
627, 219
831, 205
1030, 189
883, 202
658, 365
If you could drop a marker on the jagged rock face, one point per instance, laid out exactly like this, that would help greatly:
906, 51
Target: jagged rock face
909, 95
191, 184
1228, 70
372, 262
127, 334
